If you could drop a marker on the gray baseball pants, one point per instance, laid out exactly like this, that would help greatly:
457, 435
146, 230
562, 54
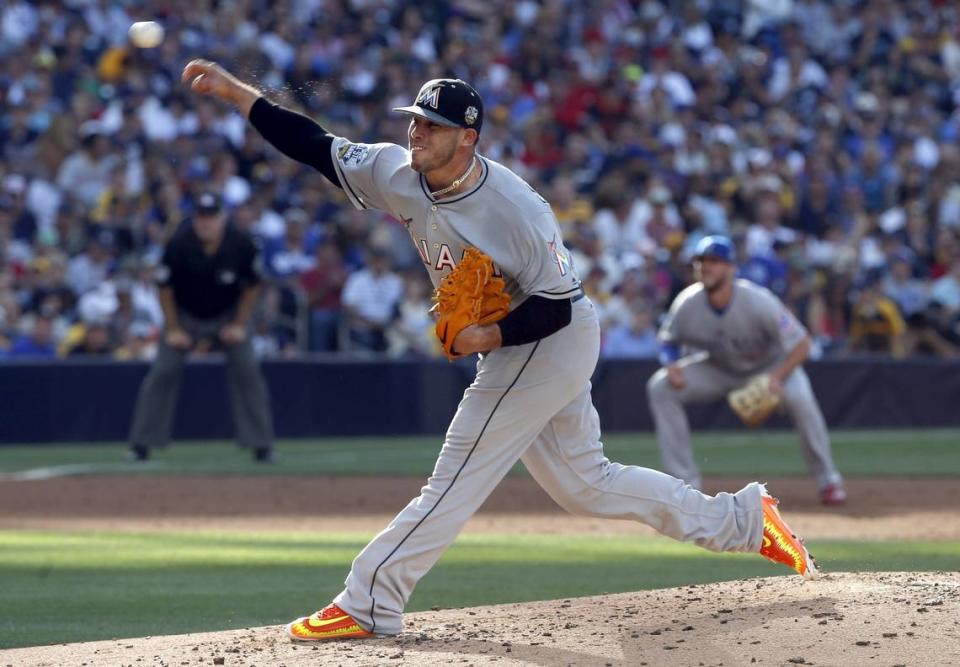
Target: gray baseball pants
249, 399
532, 402
706, 382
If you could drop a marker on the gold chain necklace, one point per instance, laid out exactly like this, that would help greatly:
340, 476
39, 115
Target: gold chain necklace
456, 183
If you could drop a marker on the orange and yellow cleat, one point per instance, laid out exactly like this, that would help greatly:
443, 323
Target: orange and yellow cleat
781, 545
331, 622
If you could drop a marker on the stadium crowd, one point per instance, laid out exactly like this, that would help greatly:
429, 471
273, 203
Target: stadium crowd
821, 136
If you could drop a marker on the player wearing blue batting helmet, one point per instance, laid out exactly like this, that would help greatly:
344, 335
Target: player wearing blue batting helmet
716, 276
716, 246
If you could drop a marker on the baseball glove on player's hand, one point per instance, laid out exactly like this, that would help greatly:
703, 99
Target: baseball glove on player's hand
470, 294
754, 401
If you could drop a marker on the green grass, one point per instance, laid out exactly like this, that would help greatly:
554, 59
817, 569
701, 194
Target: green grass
82, 586
744, 453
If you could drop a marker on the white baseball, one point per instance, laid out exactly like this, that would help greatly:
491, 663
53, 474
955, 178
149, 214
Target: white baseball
146, 34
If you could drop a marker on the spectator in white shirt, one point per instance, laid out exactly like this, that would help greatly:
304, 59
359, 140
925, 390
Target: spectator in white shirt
910, 294
411, 334
370, 298
675, 83
90, 268
636, 226
85, 174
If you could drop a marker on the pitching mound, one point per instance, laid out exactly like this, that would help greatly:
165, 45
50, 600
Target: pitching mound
842, 619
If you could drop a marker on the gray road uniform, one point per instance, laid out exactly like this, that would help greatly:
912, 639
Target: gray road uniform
753, 334
528, 401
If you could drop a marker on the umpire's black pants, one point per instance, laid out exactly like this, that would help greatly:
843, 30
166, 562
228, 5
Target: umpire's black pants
249, 400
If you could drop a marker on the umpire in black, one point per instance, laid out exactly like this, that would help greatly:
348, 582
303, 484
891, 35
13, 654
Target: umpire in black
208, 288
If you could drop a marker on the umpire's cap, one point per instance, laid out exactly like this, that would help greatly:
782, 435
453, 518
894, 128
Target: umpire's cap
715, 246
449, 102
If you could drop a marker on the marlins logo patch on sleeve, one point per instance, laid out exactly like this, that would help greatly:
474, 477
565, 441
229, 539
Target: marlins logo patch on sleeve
561, 259
354, 153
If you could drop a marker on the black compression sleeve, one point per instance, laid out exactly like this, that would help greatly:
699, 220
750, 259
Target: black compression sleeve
295, 135
535, 318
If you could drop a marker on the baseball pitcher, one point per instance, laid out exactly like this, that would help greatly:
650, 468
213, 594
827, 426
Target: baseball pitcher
537, 349
750, 349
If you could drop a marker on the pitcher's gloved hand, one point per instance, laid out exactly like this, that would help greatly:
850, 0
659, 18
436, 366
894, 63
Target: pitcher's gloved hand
470, 294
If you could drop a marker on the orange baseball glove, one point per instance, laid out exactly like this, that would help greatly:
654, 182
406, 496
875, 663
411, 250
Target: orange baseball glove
470, 294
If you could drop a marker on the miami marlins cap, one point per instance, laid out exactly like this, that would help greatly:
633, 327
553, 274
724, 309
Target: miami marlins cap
715, 246
450, 102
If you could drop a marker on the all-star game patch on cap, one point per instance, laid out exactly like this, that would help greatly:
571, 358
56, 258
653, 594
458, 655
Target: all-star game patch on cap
449, 102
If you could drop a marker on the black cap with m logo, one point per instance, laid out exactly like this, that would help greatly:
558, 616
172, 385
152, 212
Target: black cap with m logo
450, 102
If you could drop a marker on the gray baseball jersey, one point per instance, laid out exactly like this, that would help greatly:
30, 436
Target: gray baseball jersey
530, 402
752, 332
751, 335
502, 215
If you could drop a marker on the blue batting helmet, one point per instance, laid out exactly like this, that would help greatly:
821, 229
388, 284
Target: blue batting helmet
715, 246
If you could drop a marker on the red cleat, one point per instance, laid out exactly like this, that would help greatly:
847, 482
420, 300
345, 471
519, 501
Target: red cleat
833, 495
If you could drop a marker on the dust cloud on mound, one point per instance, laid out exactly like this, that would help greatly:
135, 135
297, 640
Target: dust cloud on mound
841, 619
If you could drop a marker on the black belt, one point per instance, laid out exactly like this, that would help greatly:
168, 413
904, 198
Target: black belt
576, 297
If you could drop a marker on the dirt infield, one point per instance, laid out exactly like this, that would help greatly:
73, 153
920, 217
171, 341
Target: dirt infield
842, 619
881, 508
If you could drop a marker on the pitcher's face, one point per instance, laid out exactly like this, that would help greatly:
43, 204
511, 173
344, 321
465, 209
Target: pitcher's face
432, 146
